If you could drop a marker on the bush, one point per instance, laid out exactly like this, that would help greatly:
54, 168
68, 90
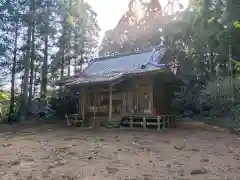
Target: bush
3, 119
58, 105
4, 114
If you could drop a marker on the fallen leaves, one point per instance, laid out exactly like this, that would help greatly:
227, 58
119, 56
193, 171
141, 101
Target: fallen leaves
57, 163
198, 171
112, 170
6, 145
178, 147
166, 142
101, 139
11, 163
168, 166
204, 159
236, 157
195, 150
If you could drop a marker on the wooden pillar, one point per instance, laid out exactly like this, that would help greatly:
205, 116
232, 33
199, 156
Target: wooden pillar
124, 106
137, 100
151, 100
129, 102
94, 108
79, 105
83, 104
110, 104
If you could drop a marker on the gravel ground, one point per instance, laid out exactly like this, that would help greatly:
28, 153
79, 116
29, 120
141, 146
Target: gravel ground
49, 152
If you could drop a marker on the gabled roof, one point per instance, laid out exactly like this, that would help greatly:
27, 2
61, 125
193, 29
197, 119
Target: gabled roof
111, 68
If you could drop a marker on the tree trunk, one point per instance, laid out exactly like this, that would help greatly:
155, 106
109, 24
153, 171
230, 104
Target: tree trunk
62, 52
69, 44
44, 69
24, 110
62, 71
35, 78
12, 101
75, 66
69, 67
32, 60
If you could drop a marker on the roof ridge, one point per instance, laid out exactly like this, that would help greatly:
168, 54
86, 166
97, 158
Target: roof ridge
122, 54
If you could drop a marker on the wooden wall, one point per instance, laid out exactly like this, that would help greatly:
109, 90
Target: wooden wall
163, 94
138, 95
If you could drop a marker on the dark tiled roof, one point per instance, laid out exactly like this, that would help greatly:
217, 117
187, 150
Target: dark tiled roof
114, 67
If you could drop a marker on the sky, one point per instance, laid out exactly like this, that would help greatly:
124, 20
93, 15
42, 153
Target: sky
109, 12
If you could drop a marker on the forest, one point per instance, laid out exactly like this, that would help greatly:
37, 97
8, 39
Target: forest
43, 41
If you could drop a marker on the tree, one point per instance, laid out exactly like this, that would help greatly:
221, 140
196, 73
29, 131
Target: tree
12, 101
79, 36
35, 33
32, 61
138, 27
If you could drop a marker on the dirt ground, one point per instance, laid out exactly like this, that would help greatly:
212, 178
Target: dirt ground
49, 152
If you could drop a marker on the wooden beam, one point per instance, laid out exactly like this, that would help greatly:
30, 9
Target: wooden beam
117, 82
110, 104
102, 90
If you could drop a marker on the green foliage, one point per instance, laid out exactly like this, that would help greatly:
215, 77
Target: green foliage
4, 96
80, 34
236, 24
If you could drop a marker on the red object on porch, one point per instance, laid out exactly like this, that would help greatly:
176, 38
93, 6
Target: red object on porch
154, 111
